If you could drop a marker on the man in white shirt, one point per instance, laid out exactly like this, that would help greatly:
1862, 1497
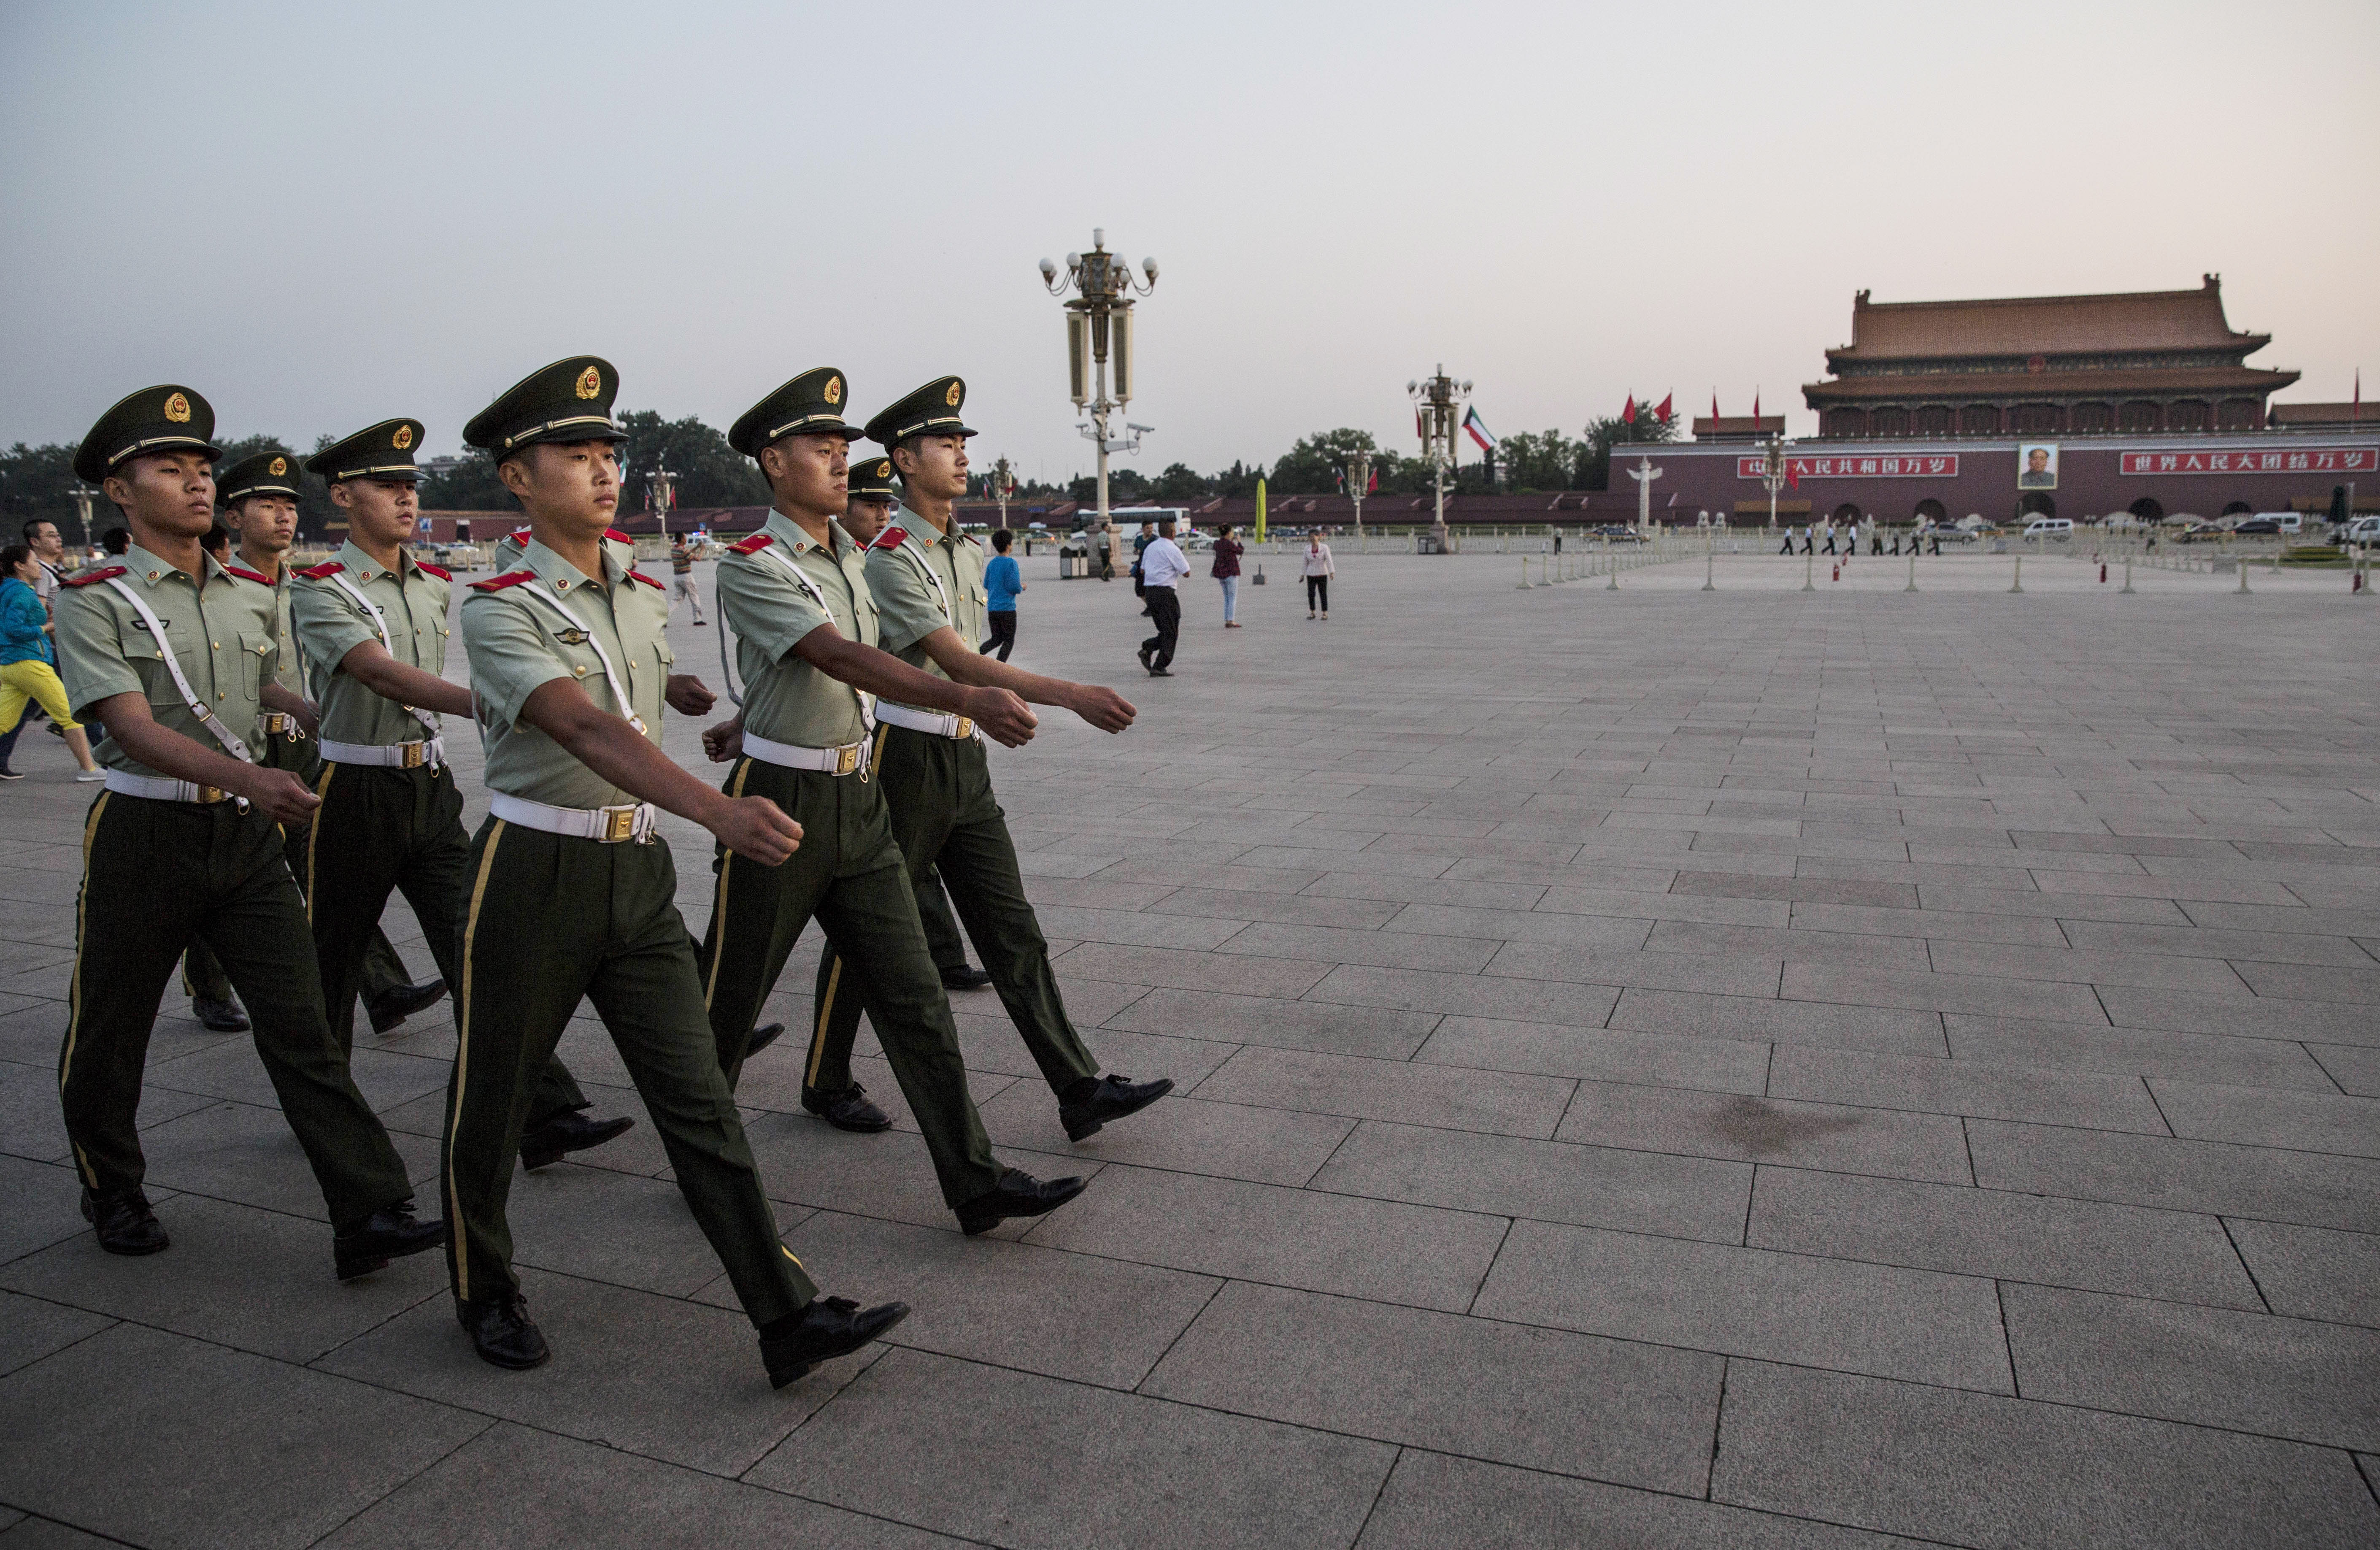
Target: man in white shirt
1162, 569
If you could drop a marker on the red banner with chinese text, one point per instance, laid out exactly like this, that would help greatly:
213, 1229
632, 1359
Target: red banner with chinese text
1929, 465
2304, 459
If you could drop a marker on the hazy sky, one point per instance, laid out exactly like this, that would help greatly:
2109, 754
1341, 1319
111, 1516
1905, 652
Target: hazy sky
323, 216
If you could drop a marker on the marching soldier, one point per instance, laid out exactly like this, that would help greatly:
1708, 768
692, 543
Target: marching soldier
926, 579
258, 498
176, 654
373, 622
798, 601
573, 894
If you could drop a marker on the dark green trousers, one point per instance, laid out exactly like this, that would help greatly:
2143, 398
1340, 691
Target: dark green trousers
943, 938
834, 1006
848, 875
156, 877
552, 919
380, 831
945, 818
202, 977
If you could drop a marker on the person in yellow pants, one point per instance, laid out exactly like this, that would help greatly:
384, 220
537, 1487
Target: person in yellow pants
27, 675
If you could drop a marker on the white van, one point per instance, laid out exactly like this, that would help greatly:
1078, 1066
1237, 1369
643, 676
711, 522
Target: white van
2363, 530
2051, 527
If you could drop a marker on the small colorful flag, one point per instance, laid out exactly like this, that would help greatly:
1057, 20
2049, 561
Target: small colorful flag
1478, 428
1755, 406
1714, 403
1665, 413
1628, 415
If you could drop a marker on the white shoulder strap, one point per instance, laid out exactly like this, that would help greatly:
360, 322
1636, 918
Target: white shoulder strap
915, 552
619, 690
428, 721
232, 745
818, 595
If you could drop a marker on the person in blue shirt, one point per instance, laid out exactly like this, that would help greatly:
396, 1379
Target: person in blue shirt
1002, 581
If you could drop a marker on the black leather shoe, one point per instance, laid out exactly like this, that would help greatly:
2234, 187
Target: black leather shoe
966, 976
393, 1006
829, 1327
566, 1132
762, 1037
218, 1017
1093, 1101
1017, 1194
502, 1333
1143, 654
125, 1224
389, 1235
847, 1110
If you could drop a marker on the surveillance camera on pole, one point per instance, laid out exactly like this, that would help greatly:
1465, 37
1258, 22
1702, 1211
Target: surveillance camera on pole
1099, 335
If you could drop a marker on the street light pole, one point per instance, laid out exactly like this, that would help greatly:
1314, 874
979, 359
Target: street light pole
1437, 404
1772, 474
661, 495
1099, 325
1359, 476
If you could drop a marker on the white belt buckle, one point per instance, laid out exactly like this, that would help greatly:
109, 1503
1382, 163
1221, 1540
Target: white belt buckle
619, 823
847, 758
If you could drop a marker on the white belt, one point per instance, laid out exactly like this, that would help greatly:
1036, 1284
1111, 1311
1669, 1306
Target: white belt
841, 761
279, 723
389, 756
610, 824
159, 789
934, 723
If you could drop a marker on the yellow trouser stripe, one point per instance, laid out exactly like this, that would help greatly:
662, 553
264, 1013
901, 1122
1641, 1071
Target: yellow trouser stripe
825, 1011
455, 1234
719, 905
74, 988
876, 759
314, 833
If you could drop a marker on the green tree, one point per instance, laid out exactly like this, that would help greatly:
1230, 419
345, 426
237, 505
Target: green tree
37, 484
709, 472
1602, 435
1313, 466
469, 484
1540, 460
1179, 485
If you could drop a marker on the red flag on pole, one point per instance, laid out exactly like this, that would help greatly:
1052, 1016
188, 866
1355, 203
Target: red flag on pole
1793, 475
2355, 410
1664, 412
1372, 485
1628, 415
1714, 403
1755, 408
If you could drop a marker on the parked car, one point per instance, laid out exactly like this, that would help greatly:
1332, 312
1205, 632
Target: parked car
2049, 526
1614, 534
2198, 532
2258, 527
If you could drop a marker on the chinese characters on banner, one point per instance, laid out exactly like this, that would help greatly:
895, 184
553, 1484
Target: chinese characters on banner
2309, 460
1937, 465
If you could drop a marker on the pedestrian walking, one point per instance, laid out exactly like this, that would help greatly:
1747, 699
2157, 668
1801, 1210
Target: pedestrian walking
682, 567
1318, 568
1139, 547
29, 673
1162, 569
1002, 581
1227, 551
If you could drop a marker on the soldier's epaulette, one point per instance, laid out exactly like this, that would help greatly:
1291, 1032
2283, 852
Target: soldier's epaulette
85, 578
509, 578
890, 538
640, 576
753, 544
324, 571
247, 574
617, 536
521, 535
434, 571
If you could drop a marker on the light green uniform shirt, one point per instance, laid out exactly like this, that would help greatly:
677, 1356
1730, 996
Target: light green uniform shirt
785, 699
331, 623
909, 606
288, 666
223, 631
518, 644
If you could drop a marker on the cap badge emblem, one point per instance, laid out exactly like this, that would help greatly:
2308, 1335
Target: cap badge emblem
177, 408
280, 467
402, 439
590, 383
883, 470
833, 393
952, 398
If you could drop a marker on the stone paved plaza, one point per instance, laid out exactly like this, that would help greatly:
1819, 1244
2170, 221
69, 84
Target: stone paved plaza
1656, 1067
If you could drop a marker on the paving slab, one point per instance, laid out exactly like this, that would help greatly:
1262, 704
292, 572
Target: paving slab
1289, 1024
1783, 1023
1546, 1049
2075, 1046
2259, 1117
31, 1328
1877, 1140
2309, 1188
1999, 1474
1453, 1097
2313, 1273
1019, 1460
1933, 1086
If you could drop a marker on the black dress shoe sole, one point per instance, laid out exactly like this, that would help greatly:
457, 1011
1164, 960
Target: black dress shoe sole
762, 1037
610, 1131
856, 1126
353, 1263
129, 1248
781, 1376
965, 979
1082, 1129
508, 1362
232, 1023
392, 1010
974, 1223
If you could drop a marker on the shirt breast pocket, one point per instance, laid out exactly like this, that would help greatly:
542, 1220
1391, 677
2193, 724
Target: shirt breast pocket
571, 646
256, 654
147, 655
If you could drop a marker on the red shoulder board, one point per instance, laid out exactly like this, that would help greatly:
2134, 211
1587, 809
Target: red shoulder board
890, 538
509, 578
442, 575
640, 576
617, 536
324, 571
88, 577
522, 535
247, 574
753, 544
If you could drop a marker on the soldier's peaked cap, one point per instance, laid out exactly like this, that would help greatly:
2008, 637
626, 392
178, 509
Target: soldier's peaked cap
162, 419
570, 401
382, 451
932, 410
810, 405
266, 474
871, 479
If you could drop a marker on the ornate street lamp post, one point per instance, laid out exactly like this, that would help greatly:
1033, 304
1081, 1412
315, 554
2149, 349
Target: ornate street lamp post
1003, 487
84, 495
1099, 325
660, 496
1772, 474
1438, 409
1359, 478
